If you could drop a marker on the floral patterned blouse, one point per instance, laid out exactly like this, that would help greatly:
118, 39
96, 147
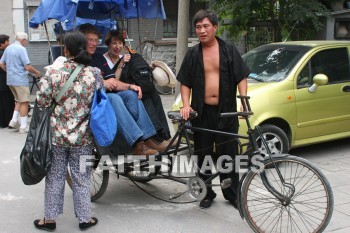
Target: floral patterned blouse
70, 118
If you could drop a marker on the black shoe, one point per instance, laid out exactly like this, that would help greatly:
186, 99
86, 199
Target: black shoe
46, 226
234, 203
86, 225
206, 203
208, 200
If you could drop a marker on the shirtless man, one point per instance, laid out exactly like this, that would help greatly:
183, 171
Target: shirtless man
212, 71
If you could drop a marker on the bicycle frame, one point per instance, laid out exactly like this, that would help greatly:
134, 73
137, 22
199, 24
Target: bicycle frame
184, 126
258, 189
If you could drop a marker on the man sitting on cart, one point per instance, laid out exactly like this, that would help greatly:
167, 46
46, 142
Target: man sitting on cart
133, 121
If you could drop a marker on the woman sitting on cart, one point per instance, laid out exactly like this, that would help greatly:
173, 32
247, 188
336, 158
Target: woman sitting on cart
128, 64
133, 121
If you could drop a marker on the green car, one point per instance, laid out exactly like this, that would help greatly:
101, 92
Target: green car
300, 92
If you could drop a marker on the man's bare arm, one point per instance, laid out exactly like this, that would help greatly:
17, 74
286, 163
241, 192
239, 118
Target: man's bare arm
185, 95
3, 66
31, 69
186, 106
243, 87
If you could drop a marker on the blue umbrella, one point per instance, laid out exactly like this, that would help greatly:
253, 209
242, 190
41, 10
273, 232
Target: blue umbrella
104, 24
60, 10
68, 10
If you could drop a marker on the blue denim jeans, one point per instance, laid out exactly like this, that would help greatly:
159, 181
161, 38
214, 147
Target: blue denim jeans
132, 118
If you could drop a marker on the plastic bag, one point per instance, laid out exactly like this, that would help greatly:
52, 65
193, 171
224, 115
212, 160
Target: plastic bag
36, 155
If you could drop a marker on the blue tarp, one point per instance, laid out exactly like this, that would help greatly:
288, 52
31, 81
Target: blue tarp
60, 10
103, 25
68, 10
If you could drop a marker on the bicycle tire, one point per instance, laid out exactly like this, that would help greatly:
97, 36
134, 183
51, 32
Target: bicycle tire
99, 179
97, 188
311, 206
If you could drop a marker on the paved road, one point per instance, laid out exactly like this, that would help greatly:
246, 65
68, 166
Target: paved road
125, 208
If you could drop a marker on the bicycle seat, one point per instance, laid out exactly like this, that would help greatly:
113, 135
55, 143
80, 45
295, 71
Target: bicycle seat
175, 115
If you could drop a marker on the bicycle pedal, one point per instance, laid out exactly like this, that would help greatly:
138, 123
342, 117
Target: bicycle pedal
226, 183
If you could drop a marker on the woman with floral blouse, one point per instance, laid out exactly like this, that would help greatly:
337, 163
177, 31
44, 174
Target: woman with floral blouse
71, 135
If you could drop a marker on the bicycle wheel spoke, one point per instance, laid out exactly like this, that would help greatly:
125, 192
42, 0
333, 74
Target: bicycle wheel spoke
307, 219
98, 182
294, 224
95, 183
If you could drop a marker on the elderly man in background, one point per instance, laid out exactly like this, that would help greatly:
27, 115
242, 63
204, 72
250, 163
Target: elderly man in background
16, 62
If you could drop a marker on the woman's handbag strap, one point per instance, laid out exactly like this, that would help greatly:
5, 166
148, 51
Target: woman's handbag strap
69, 82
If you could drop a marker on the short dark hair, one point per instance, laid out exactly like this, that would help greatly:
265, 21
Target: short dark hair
75, 43
114, 34
4, 38
202, 14
88, 28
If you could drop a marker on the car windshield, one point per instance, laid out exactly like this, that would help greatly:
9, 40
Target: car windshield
272, 63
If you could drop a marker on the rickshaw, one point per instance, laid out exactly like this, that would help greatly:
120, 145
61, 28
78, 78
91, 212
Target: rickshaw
277, 192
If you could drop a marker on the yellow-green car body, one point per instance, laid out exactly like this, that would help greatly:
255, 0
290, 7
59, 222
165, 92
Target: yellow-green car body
302, 88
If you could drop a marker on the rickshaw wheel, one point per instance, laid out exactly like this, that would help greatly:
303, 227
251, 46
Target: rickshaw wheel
99, 179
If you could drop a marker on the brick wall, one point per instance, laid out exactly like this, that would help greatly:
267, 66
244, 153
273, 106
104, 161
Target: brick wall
38, 53
144, 29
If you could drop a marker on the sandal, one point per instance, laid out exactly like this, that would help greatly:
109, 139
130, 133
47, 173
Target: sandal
86, 225
46, 226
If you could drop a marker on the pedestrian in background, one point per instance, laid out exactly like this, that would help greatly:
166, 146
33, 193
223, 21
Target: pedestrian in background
7, 102
71, 135
16, 62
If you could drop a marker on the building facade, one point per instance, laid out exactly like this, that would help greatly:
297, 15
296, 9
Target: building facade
17, 13
161, 33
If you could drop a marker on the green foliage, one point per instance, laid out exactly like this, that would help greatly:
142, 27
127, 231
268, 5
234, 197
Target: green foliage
295, 19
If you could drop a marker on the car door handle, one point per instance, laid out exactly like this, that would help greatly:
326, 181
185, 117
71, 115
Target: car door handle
346, 88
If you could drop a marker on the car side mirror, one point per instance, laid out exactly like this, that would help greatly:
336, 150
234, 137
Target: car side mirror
318, 80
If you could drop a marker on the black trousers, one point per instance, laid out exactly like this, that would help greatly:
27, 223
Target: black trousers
154, 108
204, 143
7, 106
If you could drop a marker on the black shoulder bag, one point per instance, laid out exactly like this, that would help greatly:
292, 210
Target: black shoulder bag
137, 71
36, 154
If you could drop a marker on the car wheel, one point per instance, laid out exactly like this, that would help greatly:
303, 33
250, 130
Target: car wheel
276, 139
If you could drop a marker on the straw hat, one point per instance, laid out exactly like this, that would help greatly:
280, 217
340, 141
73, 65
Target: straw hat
163, 74
58, 63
